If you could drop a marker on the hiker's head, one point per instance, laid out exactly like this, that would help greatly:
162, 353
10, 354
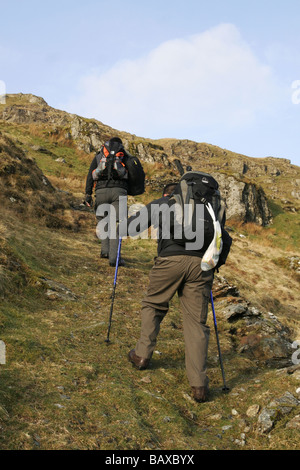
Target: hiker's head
114, 144
168, 189
114, 140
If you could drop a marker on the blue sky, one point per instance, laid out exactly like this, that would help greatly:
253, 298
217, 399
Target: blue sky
219, 72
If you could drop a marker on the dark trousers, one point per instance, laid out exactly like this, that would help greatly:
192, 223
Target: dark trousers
110, 196
182, 274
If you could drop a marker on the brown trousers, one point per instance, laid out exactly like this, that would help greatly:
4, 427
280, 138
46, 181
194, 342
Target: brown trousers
180, 274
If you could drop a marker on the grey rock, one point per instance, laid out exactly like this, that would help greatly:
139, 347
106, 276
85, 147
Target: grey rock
260, 336
166, 419
57, 291
275, 410
226, 427
285, 404
266, 420
235, 310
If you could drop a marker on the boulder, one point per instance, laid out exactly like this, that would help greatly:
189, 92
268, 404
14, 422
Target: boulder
257, 335
57, 291
275, 410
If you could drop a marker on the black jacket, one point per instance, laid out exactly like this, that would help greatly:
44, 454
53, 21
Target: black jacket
169, 247
91, 183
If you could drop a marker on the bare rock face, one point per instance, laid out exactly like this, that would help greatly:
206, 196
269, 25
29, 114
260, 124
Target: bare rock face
256, 205
86, 134
244, 200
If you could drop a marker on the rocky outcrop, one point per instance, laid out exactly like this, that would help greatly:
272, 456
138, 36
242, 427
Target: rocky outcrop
86, 134
270, 166
244, 200
256, 205
254, 334
148, 152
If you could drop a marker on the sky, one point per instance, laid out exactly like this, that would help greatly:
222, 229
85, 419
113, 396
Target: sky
224, 72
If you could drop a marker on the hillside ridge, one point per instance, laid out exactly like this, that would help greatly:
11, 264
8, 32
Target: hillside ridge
248, 182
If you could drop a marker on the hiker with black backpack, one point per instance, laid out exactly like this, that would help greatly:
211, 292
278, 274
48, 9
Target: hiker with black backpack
114, 174
179, 268
150, 214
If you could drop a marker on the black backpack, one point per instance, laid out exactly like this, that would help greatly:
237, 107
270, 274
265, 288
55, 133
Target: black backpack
136, 175
196, 187
110, 163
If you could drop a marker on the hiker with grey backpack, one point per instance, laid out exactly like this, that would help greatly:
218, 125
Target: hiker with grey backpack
186, 266
113, 174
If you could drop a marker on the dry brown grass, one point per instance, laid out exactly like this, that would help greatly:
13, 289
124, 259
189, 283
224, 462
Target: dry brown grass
70, 183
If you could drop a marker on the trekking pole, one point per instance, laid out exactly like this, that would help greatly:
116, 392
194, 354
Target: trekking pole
225, 388
114, 291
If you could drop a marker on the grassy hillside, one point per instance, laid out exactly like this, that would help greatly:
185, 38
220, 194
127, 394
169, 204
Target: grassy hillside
62, 386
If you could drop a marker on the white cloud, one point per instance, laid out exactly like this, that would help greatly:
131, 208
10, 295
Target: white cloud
209, 79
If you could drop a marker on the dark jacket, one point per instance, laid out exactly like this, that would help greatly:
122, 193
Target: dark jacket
169, 247
99, 184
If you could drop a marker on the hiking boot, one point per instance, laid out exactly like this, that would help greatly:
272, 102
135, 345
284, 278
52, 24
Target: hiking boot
139, 362
104, 255
200, 394
121, 263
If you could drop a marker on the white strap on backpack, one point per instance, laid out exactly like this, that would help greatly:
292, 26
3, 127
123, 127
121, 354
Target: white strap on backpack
211, 256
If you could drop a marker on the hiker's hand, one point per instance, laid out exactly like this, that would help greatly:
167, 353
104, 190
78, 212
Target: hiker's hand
88, 200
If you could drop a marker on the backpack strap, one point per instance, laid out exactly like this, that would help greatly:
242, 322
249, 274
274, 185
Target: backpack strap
110, 161
185, 192
222, 212
98, 157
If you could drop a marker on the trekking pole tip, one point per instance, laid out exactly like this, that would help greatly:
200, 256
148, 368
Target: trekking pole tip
226, 389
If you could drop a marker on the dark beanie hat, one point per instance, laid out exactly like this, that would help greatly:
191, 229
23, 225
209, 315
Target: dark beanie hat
115, 143
115, 140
